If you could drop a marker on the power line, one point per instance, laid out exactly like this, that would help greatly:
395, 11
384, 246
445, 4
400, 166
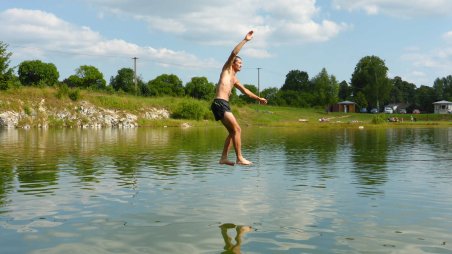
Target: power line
76, 53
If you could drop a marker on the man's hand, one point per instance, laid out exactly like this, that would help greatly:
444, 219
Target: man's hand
249, 35
262, 101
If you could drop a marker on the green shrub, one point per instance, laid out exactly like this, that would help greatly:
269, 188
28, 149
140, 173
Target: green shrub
62, 91
190, 110
55, 122
27, 110
4, 85
74, 94
10, 84
379, 119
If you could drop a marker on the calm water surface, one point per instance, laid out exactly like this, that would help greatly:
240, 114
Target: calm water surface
162, 191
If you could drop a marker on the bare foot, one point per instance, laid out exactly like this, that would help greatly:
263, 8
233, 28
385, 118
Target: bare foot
244, 162
226, 162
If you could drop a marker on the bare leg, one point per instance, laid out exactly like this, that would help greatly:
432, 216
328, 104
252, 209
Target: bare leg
224, 155
234, 130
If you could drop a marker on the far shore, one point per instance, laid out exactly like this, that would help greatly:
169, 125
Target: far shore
43, 108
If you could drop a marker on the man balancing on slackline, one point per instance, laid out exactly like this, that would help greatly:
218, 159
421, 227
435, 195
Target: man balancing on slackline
220, 106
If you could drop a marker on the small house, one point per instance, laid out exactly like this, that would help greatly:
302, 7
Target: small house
344, 106
443, 107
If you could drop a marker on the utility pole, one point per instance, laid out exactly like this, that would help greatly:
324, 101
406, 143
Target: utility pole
258, 84
135, 81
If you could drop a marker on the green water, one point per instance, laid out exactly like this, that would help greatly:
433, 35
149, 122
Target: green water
162, 191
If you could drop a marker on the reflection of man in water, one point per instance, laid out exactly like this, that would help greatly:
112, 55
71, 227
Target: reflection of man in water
228, 246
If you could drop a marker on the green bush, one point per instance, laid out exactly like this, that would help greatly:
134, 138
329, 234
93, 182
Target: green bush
379, 119
10, 84
190, 110
4, 85
74, 94
62, 91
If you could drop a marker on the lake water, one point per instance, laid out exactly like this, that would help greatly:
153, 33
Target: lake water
163, 191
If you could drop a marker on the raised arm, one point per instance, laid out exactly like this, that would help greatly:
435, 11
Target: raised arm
237, 49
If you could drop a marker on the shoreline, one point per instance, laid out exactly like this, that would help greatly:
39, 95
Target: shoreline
33, 107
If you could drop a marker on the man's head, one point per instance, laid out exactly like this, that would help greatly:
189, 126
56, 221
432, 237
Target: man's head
237, 64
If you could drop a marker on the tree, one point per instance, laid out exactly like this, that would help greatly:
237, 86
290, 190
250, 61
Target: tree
6, 73
271, 94
36, 72
425, 96
345, 91
166, 85
294, 98
200, 88
296, 81
360, 100
123, 81
90, 76
370, 78
443, 88
247, 99
402, 91
325, 89
73, 81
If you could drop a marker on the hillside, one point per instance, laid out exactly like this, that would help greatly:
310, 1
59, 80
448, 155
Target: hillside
50, 107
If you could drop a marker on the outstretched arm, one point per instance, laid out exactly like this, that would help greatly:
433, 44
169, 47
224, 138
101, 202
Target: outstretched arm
250, 94
237, 49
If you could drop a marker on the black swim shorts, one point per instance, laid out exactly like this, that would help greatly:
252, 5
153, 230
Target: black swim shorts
219, 106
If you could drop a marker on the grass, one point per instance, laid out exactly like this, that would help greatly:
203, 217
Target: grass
27, 100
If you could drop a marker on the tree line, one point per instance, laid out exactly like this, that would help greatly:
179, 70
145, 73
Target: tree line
369, 87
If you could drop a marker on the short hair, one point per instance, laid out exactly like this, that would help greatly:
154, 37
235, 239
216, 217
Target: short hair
236, 58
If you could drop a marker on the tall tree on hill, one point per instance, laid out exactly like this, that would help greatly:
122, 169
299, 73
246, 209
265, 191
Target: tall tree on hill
6, 73
36, 72
87, 76
124, 81
200, 88
166, 85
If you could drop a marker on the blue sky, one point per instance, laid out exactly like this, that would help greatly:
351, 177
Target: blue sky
194, 38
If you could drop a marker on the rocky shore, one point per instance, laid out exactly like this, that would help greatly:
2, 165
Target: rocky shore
81, 114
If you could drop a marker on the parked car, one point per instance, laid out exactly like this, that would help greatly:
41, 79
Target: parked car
416, 111
402, 111
388, 110
374, 111
363, 110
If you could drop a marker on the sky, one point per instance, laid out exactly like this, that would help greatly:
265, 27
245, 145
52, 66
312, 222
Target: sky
194, 38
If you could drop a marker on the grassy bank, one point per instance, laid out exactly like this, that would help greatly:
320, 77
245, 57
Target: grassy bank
28, 98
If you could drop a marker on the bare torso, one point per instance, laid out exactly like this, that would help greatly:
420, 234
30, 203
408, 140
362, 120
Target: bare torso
225, 84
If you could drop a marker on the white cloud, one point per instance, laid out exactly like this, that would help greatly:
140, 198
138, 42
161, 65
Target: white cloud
219, 22
37, 33
436, 62
400, 8
448, 37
